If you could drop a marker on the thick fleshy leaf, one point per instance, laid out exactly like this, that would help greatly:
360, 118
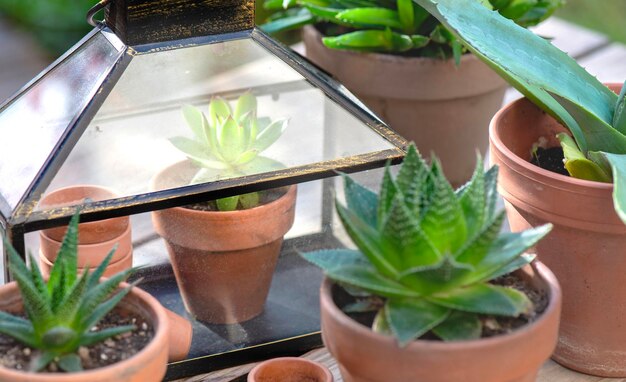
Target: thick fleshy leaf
92, 338
88, 319
387, 194
409, 319
101, 292
219, 110
247, 156
473, 200
299, 19
68, 254
370, 40
245, 104
249, 200
619, 118
371, 17
71, 301
514, 265
476, 249
459, 326
192, 148
231, 140
381, 323
447, 274
406, 14
329, 259
23, 332
361, 200
369, 279
412, 174
491, 192
94, 277
419, 41
41, 360
227, 204
618, 164
578, 165
70, 363
269, 135
485, 299
194, 118
363, 306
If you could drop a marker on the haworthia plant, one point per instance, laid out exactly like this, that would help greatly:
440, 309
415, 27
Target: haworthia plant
392, 26
428, 252
62, 312
594, 114
227, 144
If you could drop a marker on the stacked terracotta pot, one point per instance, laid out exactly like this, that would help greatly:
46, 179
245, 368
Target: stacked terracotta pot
95, 239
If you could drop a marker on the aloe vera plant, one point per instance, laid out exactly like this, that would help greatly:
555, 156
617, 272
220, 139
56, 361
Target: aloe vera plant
392, 26
228, 143
429, 252
595, 116
61, 312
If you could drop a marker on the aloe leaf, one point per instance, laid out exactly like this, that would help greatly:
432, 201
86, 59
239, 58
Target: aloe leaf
406, 14
619, 118
231, 140
269, 135
329, 259
381, 324
71, 302
578, 165
411, 318
491, 192
301, 18
370, 40
23, 332
87, 319
388, 190
101, 291
96, 275
40, 361
618, 165
194, 118
419, 41
70, 363
532, 67
253, 131
412, 174
514, 265
227, 204
362, 306
459, 326
361, 200
477, 248
69, 252
370, 17
92, 338
37, 278
325, 13
246, 103
485, 299
473, 200
366, 238
447, 274
369, 279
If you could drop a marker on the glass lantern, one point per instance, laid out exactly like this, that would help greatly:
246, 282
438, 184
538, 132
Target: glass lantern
172, 111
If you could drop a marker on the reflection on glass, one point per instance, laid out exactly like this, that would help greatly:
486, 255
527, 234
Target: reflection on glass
32, 125
130, 139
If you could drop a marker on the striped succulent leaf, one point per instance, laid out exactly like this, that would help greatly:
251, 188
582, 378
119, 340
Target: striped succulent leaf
429, 251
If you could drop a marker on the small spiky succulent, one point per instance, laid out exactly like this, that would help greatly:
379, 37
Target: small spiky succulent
228, 143
429, 252
61, 312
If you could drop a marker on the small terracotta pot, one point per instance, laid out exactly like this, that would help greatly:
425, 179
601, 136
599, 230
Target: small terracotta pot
586, 248
91, 232
148, 365
366, 356
223, 261
124, 263
290, 369
443, 108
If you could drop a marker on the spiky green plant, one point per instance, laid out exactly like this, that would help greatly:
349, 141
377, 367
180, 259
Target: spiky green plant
61, 312
392, 26
228, 143
595, 116
429, 252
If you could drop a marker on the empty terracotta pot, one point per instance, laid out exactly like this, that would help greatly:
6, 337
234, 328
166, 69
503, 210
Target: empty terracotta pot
125, 262
442, 107
223, 261
290, 369
366, 356
586, 249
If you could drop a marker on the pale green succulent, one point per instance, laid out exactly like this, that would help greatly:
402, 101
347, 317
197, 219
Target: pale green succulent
429, 252
61, 312
595, 116
227, 144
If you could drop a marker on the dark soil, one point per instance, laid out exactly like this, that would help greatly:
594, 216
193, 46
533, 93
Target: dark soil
17, 356
492, 325
265, 197
550, 159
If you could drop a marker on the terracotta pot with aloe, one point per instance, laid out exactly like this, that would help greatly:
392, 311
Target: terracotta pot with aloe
224, 252
408, 68
580, 124
434, 292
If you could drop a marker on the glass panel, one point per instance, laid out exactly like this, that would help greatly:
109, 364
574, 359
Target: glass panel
128, 142
31, 126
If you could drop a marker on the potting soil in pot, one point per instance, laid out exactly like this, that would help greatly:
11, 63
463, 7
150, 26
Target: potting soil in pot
550, 159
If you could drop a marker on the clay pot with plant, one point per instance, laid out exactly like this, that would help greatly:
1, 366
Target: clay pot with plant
570, 117
408, 68
80, 327
95, 239
224, 252
434, 292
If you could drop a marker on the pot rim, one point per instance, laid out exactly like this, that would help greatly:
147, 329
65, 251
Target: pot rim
159, 322
541, 271
112, 192
292, 360
541, 175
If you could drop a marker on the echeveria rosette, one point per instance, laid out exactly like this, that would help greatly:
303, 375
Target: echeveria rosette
595, 116
227, 144
392, 26
429, 252
61, 312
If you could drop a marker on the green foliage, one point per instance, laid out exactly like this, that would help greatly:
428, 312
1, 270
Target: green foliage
429, 251
555, 82
391, 26
228, 142
62, 312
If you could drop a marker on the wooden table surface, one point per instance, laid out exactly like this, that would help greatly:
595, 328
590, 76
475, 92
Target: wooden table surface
21, 60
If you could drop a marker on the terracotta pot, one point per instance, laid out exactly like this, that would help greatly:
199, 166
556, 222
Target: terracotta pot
586, 249
366, 356
147, 365
223, 261
443, 108
290, 369
125, 262
91, 232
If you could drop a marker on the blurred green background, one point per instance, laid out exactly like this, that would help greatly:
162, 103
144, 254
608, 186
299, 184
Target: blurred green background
58, 24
